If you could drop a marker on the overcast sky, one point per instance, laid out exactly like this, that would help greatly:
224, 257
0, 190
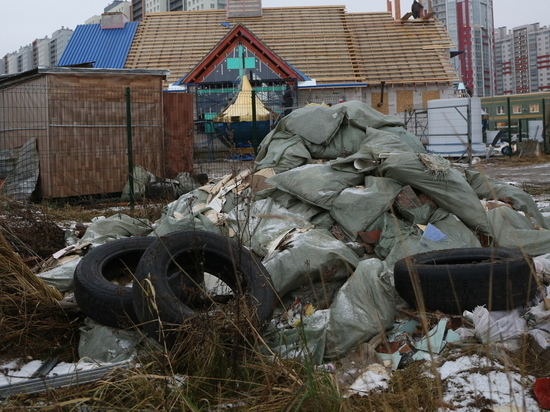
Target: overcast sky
21, 22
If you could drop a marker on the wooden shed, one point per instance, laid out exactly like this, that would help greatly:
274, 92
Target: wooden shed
79, 118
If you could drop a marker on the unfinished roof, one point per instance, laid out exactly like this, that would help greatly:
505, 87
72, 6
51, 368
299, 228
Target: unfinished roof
326, 43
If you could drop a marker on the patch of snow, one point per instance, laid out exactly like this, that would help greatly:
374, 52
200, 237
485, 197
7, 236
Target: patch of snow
465, 384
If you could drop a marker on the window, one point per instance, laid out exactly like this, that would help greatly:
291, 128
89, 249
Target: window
500, 109
516, 109
534, 108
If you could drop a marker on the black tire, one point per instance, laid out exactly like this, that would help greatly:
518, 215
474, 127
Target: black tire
507, 151
455, 280
196, 253
97, 295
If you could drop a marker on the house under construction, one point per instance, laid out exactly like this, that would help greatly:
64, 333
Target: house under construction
394, 63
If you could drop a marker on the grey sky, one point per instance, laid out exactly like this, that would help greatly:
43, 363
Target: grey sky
23, 21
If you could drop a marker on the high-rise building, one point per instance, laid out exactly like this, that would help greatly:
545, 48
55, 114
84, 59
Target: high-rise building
470, 25
522, 59
41, 52
142, 7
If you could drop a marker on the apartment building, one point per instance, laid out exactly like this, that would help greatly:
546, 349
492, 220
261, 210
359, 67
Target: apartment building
41, 52
141, 7
470, 26
522, 59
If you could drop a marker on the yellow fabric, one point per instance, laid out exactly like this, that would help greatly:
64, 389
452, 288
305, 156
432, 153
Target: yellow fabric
241, 108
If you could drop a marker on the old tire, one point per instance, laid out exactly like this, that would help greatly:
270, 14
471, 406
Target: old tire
98, 277
455, 280
196, 253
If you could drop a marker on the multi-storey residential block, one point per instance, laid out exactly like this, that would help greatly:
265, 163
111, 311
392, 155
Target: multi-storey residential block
141, 7
522, 59
470, 25
41, 52
60, 39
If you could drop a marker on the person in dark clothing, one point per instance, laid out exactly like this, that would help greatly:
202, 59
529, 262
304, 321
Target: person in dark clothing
288, 100
416, 9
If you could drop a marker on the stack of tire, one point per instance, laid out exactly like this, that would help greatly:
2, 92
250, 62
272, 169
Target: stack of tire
164, 277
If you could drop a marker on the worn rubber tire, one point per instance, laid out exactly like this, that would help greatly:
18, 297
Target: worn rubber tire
455, 280
197, 252
97, 296
104, 301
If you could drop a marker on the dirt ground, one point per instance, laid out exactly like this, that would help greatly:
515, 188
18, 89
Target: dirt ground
527, 171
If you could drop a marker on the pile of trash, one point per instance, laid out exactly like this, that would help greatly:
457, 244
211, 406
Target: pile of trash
337, 196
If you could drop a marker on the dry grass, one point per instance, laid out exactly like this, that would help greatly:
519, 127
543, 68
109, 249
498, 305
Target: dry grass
32, 323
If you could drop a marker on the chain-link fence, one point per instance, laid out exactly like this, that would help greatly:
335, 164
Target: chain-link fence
232, 119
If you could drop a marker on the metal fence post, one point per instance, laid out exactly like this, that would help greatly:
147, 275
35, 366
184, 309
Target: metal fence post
544, 125
254, 125
129, 149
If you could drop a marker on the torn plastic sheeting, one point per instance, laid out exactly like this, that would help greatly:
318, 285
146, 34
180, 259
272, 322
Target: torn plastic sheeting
491, 327
362, 115
347, 140
141, 178
362, 308
107, 345
309, 257
263, 221
365, 159
394, 231
542, 266
115, 227
329, 132
315, 123
316, 184
433, 175
512, 230
19, 168
410, 240
418, 215
192, 221
355, 209
282, 151
488, 188
61, 277
410, 139
362, 161
185, 204
306, 340
380, 141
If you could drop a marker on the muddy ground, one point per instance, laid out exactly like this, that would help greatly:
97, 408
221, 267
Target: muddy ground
518, 172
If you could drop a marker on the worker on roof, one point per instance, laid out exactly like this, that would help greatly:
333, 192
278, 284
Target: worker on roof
416, 9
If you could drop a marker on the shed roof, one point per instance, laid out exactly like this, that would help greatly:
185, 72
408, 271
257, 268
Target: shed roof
325, 42
106, 48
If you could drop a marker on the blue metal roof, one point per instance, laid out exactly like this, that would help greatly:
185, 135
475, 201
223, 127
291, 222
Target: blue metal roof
106, 48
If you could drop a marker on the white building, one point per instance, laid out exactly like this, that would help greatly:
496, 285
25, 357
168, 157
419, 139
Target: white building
143, 7
60, 39
124, 7
94, 20
41, 52
522, 59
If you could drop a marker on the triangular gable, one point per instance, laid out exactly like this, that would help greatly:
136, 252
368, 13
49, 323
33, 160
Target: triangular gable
240, 36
